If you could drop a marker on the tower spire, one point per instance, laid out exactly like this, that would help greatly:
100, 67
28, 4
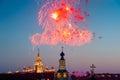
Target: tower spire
62, 48
38, 66
38, 52
62, 54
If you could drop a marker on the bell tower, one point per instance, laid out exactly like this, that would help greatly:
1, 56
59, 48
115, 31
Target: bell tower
62, 73
62, 65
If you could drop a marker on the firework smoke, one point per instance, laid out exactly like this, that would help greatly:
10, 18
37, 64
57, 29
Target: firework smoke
60, 20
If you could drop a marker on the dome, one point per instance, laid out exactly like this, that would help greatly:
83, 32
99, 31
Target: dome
62, 55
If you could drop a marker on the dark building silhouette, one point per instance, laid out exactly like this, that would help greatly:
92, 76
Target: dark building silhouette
27, 76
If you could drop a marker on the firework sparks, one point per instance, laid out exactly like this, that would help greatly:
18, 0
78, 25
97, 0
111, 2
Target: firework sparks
60, 20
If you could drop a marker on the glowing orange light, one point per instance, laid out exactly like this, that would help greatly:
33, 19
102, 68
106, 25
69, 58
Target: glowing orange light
67, 8
55, 16
60, 14
66, 33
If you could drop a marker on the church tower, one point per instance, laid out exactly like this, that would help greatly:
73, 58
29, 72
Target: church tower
38, 66
62, 73
62, 65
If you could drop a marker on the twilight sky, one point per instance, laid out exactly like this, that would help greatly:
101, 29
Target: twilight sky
18, 21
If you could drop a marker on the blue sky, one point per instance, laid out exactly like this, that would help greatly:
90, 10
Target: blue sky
18, 21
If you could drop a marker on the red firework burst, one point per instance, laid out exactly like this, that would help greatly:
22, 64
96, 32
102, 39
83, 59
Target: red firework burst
60, 20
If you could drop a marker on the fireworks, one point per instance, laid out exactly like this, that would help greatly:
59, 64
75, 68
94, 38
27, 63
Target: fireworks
60, 20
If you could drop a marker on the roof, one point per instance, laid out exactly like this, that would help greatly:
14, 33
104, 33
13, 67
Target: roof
62, 71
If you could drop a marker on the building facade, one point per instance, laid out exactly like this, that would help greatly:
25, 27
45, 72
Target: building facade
38, 66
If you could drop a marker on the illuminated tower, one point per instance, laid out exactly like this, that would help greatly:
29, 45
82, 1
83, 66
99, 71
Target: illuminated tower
38, 66
62, 73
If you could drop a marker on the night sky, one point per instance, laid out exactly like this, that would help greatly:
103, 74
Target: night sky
19, 21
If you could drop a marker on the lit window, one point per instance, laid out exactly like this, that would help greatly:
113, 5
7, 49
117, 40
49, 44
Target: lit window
64, 75
58, 75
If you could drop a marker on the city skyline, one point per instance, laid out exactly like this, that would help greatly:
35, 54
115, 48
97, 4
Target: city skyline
19, 21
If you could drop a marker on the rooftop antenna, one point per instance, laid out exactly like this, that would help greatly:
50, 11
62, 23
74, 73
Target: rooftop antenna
62, 48
38, 51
